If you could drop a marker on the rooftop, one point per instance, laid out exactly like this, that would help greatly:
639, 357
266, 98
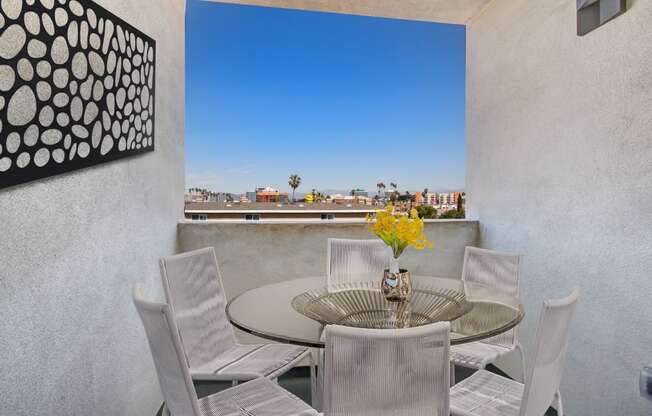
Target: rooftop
275, 207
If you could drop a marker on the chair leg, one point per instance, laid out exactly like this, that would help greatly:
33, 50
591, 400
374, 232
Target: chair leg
523, 369
452, 374
560, 406
319, 402
313, 380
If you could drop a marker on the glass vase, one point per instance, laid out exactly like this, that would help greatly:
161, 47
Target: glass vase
396, 285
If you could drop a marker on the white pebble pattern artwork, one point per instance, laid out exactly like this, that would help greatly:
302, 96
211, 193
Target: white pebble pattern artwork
76, 88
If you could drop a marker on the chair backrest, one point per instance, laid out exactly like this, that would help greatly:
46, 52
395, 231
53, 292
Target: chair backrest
548, 362
387, 372
356, 260
193, 288
500, 271
169, 357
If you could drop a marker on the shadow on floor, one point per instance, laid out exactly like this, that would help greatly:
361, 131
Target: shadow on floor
297, 381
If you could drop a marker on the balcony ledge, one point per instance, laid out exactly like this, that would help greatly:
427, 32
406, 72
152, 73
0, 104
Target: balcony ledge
307, 222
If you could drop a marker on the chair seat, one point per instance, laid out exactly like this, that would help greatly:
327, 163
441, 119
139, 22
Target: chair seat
477, 354
486, 394
259, 397
247, 362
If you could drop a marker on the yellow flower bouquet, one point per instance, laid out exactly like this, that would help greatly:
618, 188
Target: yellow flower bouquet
399, 231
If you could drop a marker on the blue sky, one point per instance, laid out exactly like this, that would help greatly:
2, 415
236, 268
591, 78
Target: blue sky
343, 101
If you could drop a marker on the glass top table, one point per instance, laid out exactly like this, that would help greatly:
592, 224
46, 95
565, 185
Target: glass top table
267, 311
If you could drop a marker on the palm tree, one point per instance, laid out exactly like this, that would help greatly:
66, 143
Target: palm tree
380, 186
395, 193
425, 191
294, 182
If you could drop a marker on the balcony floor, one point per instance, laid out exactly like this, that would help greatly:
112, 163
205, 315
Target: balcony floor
297, 381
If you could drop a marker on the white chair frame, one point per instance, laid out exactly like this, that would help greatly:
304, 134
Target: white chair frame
367, 259
201, 275
387, 372
511, 286
170, 361
541, 389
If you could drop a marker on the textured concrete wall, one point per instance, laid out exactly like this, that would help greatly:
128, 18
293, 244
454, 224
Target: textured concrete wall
71, 246
251, 255
442, 11
559, 166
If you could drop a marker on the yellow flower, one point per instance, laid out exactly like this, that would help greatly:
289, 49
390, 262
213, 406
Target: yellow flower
399, 231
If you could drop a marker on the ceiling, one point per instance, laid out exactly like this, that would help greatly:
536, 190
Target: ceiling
442, 11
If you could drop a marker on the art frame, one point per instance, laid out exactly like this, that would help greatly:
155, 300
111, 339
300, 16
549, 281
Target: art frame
77, 88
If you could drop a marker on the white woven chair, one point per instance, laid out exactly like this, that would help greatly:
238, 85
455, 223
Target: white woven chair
486, 393
350, 260
356, 260
193, 288
501, 272
387, 372
260, 396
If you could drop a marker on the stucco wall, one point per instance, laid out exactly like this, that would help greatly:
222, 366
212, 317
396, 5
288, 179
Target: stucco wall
559, 166
251, 255
72, 245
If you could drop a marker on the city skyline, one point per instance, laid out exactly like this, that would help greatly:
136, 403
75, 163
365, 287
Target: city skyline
330, 191
352, 101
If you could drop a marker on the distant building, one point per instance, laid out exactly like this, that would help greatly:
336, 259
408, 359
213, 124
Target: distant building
431, 199
349, 199
251, 196
441, 208
194, 195
208, 211
441, 201
454, 197
203, 195
270, 195
364, 200
340, 199
219, 197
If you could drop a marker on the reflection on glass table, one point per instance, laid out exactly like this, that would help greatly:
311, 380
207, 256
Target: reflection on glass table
475, 312
363, 305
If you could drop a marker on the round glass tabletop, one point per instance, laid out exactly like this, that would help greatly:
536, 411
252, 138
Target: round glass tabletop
267, 311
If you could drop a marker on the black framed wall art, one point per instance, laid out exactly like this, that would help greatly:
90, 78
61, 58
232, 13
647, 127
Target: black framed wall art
77, 88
